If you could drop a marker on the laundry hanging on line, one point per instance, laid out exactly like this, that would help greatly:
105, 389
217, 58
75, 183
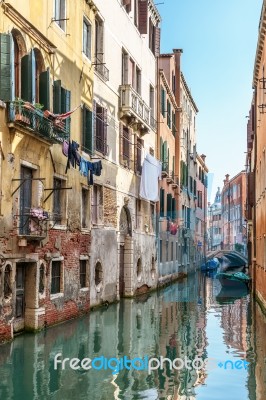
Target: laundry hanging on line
89, 169
151, 172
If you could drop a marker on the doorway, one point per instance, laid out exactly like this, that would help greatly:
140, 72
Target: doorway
122, 271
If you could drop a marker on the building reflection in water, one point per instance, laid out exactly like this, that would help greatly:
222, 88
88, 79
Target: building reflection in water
171, 323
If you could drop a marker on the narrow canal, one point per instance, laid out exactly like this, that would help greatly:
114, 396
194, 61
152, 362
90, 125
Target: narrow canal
191, 321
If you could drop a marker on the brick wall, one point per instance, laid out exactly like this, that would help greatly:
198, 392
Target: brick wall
110, 209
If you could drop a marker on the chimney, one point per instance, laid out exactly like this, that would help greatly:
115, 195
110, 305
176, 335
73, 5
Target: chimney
203, 157
227, 178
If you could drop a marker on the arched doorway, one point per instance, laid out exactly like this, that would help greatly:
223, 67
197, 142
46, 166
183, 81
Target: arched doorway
125, 230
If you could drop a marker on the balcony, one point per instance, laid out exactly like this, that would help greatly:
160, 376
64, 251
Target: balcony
171, 177
136, 110
28, 118
165, 169
102, 71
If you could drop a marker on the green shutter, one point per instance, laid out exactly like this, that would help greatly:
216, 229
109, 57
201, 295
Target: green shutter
162, 101
161, 149
57, 97
6, 62
162, 202
26, 77
44, 89
67, 108
173, 208
181, 173
87, 131
169, 205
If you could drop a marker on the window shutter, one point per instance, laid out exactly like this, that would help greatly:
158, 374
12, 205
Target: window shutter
120, 142
173, 167
6, 63
157, 41
67, 108
132, 149
161, 148
169, 205
44, 89
57, 97
162, 202
143, 16
33, 76
87, 130
104, 131
26, 73
173, 208
162, 101
94, 123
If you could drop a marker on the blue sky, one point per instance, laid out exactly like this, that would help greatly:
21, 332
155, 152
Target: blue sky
219, 40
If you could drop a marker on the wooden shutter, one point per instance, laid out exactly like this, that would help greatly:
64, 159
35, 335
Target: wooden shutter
57, 97
251, 189
104, 138
26, 74
44, 89
67, 108
157, 41
87, 131
162, 202
161, 148
173, 208
120, 142
94, 126
169, 205
143, 16
6, 65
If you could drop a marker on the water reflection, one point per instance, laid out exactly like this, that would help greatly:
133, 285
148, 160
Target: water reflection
186, 320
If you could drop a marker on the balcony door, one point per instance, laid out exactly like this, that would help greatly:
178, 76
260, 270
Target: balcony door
25, 199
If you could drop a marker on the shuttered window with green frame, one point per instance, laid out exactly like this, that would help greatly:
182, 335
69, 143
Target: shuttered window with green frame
6, 67
87, 134
61, 101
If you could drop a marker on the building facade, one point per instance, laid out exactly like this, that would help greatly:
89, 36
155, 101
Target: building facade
201, 208
233, 200
256, 166
215, 223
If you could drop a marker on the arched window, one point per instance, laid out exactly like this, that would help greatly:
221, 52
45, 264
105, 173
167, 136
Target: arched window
42, 279
7, 282
139, 269
98, 274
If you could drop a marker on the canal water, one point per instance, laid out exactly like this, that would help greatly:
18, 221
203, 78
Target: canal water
193, 322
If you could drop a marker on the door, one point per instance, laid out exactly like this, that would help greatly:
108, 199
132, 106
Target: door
121, 272
25, 200
20, 297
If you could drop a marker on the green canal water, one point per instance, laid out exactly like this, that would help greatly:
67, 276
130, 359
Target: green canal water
188, 321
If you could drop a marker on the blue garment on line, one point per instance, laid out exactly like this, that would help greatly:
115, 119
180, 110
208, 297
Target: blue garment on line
83, 167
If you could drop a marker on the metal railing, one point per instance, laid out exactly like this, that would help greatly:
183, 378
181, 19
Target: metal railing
102, 70
33, 119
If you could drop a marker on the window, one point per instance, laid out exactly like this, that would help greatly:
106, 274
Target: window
173, 123
61, 103
162, 196
199, 198
25, 200
152, 103
84, 208
87, 38
138, 155
169, 114
163, 98
138, 80
127, 5
42, 279
56, 277
87, 135
7, 282
139, 269
58, 201
100, 128
83, 273
97, 204
169, 205
151, 36
99, 50
126, 147
141, 16
98, 274
60, 13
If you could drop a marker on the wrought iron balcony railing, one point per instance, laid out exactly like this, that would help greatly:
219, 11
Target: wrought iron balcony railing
33, 119
132, 105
